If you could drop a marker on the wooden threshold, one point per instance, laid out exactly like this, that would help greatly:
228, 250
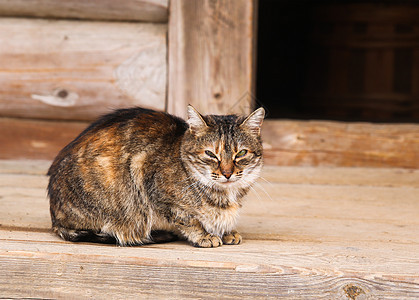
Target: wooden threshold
286, 143
329, 233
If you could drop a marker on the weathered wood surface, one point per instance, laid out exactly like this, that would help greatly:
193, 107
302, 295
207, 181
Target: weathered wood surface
77, 70
211, 56
317, 143
288, 143
29, 139
318, 233
125, 10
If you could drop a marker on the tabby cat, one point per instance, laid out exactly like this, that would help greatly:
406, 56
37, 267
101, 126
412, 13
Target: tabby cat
139, 176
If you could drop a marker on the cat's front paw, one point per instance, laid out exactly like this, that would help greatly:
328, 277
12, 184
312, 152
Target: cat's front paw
232, 238
209, 241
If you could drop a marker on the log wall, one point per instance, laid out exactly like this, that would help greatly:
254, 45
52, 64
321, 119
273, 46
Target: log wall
77, 70
71, 71
126, 10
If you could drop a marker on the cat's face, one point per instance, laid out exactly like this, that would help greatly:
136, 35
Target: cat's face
224, 151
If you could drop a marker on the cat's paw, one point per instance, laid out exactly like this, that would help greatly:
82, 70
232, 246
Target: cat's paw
209, 241
232, 238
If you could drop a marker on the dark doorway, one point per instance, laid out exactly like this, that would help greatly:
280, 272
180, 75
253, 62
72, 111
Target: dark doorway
346, 61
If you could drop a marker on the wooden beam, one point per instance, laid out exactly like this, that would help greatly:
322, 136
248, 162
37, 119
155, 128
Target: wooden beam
321, 143
211, 56
46, 267
29, 139
125, 10
78, 70
286, 143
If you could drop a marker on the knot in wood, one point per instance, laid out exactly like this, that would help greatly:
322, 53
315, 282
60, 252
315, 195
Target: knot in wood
353, 291
217, 95
62, 93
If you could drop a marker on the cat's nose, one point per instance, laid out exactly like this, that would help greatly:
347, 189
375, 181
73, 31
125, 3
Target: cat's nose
227, 173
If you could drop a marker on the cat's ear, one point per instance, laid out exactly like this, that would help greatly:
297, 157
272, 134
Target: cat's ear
254, 121
195, 120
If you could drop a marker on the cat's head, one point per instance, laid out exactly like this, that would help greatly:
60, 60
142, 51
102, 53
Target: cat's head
223, 151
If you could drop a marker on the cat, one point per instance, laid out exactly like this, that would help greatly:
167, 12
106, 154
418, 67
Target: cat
138, 176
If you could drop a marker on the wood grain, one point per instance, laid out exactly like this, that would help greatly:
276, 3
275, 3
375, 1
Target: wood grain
211, 56
305, 210
317, 143
29, 139
340, 176
126, 10
286, 143
79, 70
322, 233
281, 269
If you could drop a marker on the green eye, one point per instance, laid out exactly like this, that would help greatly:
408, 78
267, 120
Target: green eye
210, 154
241, 153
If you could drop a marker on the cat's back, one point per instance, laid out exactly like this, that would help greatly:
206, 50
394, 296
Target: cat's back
132, 122
121, 133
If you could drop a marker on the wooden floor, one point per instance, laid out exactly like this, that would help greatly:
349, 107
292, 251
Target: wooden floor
309, 233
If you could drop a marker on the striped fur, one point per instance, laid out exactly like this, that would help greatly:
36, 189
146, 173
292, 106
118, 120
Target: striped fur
138, 176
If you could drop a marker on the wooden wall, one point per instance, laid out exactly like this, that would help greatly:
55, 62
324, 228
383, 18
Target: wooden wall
63, 63
124, 10
212, 56
79, 69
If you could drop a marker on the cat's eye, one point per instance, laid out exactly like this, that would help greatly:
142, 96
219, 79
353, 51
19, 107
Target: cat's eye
241, 153
210, 154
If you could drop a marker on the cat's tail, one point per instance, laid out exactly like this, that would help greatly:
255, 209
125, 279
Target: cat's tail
76, 235
162, 236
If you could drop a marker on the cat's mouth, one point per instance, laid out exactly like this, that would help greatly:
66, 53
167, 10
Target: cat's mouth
227, 182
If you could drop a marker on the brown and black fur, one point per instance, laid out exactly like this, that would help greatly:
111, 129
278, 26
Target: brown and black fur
136, 173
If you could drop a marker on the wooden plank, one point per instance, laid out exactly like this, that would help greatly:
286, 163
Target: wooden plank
126, 10
289, 212
303, 207
317, 240
281, 269
78, 70
26, 167
286, 143
211, 56
28, 139
318, 143
341, 176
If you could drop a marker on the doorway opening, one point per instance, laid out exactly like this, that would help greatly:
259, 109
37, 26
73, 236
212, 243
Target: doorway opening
345, 61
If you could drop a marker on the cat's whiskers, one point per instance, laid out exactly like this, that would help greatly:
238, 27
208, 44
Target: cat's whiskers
259, 198
264, 190
267, 181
